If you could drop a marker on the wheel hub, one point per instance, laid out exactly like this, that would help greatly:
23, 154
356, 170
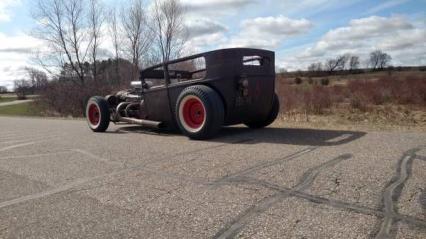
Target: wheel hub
94, 114
193, 113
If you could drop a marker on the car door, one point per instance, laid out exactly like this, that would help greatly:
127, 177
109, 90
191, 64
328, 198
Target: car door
156, 101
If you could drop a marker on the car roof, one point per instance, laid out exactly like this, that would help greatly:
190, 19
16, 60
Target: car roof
235, 50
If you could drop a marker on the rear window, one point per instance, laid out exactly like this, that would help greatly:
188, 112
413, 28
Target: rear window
255, 60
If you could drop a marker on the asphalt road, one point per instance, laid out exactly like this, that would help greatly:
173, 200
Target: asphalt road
60, 180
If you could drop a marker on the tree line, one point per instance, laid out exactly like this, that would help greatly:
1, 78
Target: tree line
378, 60
74, 31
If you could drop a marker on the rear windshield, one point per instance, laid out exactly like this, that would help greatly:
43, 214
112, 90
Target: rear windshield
255, 60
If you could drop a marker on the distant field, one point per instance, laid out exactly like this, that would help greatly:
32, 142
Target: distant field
375, 98
4, 99
339, 79
24, 109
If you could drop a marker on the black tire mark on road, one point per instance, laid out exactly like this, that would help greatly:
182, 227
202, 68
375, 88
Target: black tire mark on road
392, 193
329, 202
421, 157
422, 202
263, 165
81, 181
236, 225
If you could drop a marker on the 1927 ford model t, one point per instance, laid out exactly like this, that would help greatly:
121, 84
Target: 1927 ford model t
197, 94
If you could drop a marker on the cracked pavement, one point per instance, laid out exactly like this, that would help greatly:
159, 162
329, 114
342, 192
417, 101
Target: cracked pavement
60, 180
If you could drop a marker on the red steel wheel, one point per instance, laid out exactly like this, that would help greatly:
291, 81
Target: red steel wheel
97, 114
192, 113
199, 112
94, 115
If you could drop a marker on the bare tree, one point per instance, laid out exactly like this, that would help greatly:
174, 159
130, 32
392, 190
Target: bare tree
379, 60
337, 63
116, 41
3, 89
168, 27
137, 33
96, 20
37, 78
61, 24
22, 88
317, 66
353, 62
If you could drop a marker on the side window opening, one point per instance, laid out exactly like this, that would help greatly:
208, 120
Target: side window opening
254, 60
191, 69
155, 78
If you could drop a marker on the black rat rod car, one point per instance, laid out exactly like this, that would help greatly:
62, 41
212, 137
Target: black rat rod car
198, 94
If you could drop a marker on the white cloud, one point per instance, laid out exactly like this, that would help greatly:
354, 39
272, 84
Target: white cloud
369, 27
269, 32
219, 7
395, 35
15, 52
5, 14
204, 26
204, 43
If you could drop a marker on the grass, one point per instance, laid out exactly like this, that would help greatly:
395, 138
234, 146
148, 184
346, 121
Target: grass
6, 99
24, 109
367, 99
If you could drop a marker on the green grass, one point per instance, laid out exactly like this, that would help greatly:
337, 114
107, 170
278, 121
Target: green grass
24, 109
6, 99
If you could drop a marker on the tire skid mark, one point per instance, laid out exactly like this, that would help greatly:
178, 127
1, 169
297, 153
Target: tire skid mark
329, 202
79, 182
35, 155
196, 151
23, 136
263, 165
392, 193
28, 139
91, 155
16, 146
236, 225
422, 202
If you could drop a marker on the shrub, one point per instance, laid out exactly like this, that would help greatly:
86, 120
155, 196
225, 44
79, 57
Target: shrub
310, 81
359, 94
325, 81
298, 80
69, 99
357, 101
317, 100
406, 90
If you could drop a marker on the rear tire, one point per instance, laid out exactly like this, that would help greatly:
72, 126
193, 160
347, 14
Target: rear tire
199, 112
97, 114
273, 113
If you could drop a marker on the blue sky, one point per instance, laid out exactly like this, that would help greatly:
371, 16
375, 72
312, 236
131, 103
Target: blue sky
300, 32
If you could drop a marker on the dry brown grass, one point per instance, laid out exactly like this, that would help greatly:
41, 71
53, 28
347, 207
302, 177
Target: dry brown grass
379, 97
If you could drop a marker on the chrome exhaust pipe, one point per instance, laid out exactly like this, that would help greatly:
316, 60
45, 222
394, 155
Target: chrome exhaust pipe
142, 122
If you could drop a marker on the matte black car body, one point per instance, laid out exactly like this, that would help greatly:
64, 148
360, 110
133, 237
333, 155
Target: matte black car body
243, 78
224, 71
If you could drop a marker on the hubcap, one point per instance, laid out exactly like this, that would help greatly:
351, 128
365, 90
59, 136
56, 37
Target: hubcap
94, 114
193, 113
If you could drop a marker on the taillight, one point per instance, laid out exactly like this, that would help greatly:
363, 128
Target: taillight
243, 87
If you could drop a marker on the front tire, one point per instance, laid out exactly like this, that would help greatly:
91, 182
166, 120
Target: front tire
199, 112
97, 114
273, 113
